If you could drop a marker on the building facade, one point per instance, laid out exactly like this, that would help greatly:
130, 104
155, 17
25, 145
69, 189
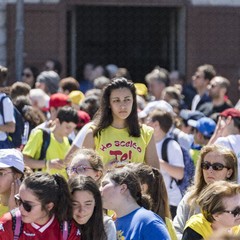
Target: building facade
137, 34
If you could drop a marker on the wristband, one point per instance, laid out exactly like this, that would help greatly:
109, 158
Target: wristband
47, 164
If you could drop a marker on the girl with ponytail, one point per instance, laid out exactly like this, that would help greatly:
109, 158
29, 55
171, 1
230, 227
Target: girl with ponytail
152, 183
121, 192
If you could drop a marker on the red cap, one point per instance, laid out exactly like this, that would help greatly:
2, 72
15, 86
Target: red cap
83, 118
233, 112
59, 100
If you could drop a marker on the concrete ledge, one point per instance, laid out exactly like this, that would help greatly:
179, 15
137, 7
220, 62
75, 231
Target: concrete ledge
230, 3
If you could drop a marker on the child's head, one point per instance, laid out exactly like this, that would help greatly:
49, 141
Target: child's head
152, 183
67, 120
118, 83
87, 207
85, 194
119, 186
11, 169
86, 162
42, 195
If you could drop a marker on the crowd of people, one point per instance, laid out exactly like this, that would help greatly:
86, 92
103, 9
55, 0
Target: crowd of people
105, 157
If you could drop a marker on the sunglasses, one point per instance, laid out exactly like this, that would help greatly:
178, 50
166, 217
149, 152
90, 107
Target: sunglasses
78, 170
215, 166
28, 207
234, 212
27, 75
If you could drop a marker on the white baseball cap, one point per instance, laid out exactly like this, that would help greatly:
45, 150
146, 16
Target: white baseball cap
11, 158
160, 105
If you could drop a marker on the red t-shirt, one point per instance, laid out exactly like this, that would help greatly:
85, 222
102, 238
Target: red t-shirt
31, 231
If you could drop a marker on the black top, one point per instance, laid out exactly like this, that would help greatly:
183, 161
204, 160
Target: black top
190, 234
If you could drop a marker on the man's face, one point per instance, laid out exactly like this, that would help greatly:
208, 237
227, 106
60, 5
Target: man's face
155, 88
214, 89
198, 79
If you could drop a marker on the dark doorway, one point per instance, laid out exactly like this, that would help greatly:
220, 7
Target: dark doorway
137, 38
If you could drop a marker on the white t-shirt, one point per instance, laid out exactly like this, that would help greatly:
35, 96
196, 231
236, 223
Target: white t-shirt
195, 102
78, 141
175, 158
110, 228
232, 142
8, 113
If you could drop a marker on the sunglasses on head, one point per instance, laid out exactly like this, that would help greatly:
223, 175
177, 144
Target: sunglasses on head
79, 169
234, 212
28, 207
215, 166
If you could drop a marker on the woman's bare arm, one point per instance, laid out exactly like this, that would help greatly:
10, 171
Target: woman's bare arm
89, 140
151, 156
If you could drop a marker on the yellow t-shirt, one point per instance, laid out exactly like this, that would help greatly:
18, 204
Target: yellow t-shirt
199, 224
170, 228
194, 153
55, 149
116, 145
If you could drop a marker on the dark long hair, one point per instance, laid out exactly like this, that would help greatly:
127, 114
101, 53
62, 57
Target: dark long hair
128, 177
51, 188
104, 116
94, 228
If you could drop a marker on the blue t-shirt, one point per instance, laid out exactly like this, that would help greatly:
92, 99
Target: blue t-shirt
141, 224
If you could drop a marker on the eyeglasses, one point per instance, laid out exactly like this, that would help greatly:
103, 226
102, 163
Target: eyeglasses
78, 170
215, 166
28, 207
2, 174
234, 212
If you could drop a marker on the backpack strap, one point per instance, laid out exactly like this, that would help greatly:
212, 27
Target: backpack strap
1, 107
165, 155
164, 149
66, 228
45, 144
17, 223
70, 140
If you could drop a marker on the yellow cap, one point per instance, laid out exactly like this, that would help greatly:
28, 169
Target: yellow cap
141, 89
76, 96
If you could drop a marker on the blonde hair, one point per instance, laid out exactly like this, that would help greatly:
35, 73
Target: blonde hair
212, 197
199, 182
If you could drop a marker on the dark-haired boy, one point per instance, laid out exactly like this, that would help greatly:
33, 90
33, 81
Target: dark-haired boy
65, 123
